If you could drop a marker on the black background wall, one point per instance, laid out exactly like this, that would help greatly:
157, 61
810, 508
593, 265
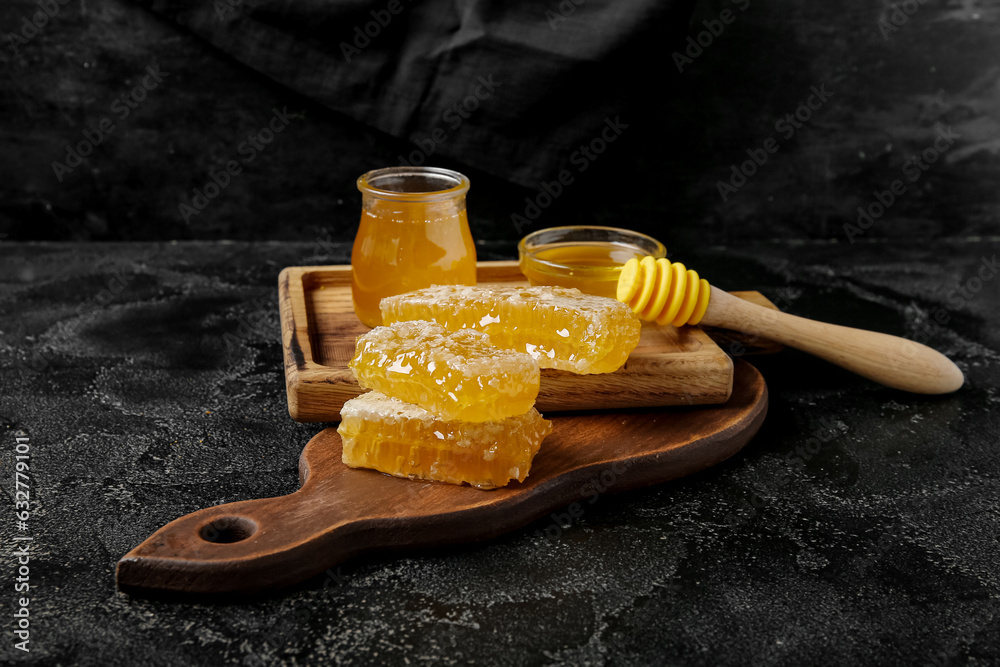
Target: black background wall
892, 76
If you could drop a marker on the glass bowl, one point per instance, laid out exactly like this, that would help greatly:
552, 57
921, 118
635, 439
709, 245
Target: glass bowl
586, 257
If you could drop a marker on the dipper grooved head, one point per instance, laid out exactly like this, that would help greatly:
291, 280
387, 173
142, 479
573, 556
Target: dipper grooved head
664, 292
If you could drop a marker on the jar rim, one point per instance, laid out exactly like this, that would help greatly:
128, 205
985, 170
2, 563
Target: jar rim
379, 183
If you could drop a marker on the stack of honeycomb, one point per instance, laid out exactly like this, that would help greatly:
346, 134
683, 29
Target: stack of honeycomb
445, 406
455, 374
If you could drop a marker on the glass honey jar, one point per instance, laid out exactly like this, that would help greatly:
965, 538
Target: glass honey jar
414, 233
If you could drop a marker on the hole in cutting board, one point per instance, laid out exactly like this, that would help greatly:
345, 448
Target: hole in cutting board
228, 529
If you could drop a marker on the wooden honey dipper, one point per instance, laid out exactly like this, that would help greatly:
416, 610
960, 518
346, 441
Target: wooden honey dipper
669, 293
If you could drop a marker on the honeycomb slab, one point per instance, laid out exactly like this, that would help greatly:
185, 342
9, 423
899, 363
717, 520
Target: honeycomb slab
405, 440
457, 375
559, 327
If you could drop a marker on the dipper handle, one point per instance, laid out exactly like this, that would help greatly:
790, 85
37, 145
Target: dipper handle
660, 291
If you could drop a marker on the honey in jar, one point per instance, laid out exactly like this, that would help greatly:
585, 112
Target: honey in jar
588, 258
414, 233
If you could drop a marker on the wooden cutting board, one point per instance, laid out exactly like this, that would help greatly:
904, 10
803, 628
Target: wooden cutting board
339, 513
670, 366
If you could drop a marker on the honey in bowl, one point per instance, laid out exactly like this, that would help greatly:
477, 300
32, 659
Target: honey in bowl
414, 232
588, 258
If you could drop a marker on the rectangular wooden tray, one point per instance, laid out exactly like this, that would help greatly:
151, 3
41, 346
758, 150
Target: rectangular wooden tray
670, 366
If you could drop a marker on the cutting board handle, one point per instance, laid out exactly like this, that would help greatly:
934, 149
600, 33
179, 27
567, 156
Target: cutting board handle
253, 544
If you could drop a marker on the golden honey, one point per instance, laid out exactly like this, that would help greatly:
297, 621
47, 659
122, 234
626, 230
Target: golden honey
585, 257
456, 375
405, 440
559, 327
414, 232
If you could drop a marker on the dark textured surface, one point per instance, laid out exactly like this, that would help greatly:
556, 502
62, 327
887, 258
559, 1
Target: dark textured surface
860, 526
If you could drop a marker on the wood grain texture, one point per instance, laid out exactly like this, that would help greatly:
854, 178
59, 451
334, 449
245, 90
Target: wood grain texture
670, 366
890, 360
339, 513
737, 343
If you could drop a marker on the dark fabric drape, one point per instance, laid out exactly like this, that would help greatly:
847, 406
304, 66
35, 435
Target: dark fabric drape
512, 88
